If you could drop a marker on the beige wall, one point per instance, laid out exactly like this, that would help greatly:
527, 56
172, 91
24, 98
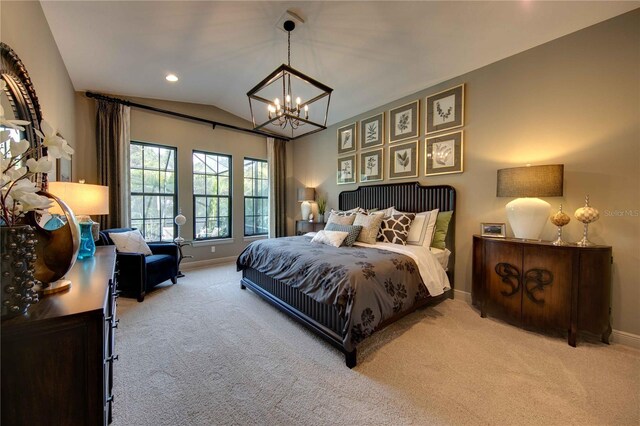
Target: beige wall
24, 28
575, 101
186, 135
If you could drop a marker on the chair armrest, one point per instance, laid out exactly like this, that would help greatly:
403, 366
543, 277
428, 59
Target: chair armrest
132, 272
164, 248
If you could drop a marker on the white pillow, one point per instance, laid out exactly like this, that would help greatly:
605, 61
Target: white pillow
422, 228
330, 238
130, 242
370, 226
340, 219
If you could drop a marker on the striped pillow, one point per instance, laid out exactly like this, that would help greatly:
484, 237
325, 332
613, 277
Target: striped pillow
353, 230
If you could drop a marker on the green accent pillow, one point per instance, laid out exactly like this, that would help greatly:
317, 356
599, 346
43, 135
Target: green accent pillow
440, 232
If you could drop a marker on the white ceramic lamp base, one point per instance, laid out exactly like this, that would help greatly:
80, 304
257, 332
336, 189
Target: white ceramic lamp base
527, 217
305, 209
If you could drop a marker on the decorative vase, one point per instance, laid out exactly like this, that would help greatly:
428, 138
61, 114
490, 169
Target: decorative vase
586, 215
320, 218
18, 258
560, 219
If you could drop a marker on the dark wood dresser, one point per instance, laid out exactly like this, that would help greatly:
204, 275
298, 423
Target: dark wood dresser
537, 285
57, 361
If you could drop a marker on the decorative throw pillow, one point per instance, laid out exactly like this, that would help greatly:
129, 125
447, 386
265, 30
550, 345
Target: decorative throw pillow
330, 238
341, 219
130, 242
370, 226
395, 229
388, 211
351, 212
421, 230
353, 231
442, 226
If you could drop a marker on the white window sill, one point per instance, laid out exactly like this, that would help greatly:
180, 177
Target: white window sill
256, 237
206, 243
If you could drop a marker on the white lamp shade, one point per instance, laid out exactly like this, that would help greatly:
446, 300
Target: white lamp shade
82, 198
527, 217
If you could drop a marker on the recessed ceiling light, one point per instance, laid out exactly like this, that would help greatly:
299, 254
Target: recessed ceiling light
172, 78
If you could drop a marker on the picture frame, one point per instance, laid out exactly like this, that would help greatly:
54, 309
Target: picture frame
372, 165
372, 131
404, 122
347, 138
64, 169
444, 154
494, 230
445, 110
346, 172
403, 160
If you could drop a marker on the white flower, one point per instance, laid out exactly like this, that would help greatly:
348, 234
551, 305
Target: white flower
57, 147
22, 187
31, 201
14, 124
5, 135
18, 148
15, 174
43, 165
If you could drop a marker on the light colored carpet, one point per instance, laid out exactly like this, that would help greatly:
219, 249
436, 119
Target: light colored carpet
204, 352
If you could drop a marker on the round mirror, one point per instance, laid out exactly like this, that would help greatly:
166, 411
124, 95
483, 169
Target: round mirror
20, 102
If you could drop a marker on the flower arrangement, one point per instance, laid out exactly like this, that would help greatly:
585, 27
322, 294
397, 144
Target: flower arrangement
17, 190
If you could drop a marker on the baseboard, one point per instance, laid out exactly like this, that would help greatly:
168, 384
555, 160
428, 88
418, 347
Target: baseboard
203, 263
462, 295
627, 339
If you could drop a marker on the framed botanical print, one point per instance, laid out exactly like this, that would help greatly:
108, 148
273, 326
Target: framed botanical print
371, 165
347, 138
347, 170
444, 154
403, 160
372, 131
63, 170
445, 110
404, 122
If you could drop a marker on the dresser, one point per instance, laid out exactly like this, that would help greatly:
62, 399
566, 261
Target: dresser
57, 360
537, 285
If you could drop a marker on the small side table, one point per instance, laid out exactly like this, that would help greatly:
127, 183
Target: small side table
304, 226
181, 244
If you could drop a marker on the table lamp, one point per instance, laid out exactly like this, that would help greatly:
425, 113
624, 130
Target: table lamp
528, 214
84, 200
306, 196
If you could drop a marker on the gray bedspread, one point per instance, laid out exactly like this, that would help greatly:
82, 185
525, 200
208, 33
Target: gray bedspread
366, 285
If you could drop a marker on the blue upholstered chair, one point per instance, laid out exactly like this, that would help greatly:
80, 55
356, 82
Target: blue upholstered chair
138, 273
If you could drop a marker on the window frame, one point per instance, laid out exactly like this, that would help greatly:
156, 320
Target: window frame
175, 189
244, 205
230, 196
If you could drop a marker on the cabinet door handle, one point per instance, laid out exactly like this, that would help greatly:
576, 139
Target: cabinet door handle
115, 324
110, 398
113, 358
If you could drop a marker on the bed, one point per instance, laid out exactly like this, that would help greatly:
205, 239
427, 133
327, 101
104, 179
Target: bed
326, 310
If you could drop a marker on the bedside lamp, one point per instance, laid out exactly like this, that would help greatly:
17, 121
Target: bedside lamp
306, 196
528, 214
84, 200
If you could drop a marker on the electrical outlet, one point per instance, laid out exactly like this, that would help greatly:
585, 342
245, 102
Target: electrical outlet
213, 249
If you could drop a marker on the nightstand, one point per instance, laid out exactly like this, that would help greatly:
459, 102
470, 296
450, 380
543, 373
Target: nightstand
534, 284
304, 226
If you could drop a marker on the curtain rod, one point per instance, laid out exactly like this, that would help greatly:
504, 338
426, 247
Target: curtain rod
179, 114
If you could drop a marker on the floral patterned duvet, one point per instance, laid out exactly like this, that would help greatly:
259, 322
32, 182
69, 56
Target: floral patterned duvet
366, 285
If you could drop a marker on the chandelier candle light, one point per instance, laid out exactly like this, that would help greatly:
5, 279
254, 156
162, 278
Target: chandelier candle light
272, 101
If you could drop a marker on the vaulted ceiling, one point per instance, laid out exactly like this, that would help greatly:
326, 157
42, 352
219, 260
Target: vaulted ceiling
370, 53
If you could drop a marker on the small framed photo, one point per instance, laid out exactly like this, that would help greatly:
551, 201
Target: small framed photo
444, 154
403, 160
372, 131
404, 122
371, 165
496, 230
347, 170
347, 138
445, 110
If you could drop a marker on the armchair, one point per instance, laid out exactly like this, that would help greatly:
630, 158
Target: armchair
138, 273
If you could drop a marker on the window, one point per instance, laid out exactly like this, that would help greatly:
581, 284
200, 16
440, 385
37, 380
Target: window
211, 195
153, 190
256, 197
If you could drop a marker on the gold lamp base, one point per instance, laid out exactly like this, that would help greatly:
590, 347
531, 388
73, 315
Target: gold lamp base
55, 287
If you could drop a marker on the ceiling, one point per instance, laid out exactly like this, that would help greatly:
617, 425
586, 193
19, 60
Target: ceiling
370, 53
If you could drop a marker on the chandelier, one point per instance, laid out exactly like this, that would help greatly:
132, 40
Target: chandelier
288, 103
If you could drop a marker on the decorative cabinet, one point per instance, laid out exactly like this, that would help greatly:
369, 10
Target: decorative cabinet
304, 226
57, 360
538, 285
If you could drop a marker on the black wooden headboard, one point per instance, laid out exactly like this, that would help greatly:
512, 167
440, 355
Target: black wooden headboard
407, 197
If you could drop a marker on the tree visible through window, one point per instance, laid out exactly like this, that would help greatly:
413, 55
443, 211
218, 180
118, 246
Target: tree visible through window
256, 197
153, 190
211, 195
